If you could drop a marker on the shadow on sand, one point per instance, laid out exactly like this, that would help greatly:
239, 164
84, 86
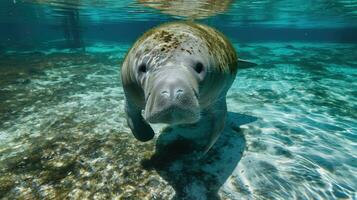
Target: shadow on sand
176, 158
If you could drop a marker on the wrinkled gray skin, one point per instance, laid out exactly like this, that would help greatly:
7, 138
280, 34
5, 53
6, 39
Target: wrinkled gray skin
178, 73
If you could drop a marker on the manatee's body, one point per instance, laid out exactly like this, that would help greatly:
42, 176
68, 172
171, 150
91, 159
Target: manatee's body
178, 73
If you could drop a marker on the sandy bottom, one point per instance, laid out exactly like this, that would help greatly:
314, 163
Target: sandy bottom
291, 131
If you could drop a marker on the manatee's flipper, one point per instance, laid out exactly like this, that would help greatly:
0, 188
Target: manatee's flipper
216, 117
243, 64
139, 127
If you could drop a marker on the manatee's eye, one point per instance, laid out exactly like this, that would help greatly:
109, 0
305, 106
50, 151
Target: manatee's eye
142, 68
199, 67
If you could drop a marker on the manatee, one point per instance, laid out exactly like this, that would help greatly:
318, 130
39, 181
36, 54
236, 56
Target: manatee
178, 73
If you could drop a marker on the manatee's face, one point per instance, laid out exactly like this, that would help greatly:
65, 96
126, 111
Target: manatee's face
180, 70
171, 89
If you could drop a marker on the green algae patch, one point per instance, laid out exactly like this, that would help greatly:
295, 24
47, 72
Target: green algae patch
7, 182
71, 165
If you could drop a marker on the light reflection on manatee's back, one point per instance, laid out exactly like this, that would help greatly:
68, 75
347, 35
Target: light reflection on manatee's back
176, 160
188, 8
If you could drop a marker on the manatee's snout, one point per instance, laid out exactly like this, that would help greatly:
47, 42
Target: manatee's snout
172, 91
173, 100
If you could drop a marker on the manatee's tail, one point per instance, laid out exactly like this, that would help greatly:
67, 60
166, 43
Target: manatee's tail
243, 64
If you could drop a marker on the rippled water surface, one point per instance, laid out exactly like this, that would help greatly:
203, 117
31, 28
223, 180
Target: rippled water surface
291, 131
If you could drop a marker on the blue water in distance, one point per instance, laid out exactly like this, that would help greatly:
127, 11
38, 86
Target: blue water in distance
291, 131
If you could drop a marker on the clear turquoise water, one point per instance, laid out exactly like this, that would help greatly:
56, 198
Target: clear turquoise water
291, 131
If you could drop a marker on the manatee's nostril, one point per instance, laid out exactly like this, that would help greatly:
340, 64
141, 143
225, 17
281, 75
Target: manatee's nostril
165, 93
178, 93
